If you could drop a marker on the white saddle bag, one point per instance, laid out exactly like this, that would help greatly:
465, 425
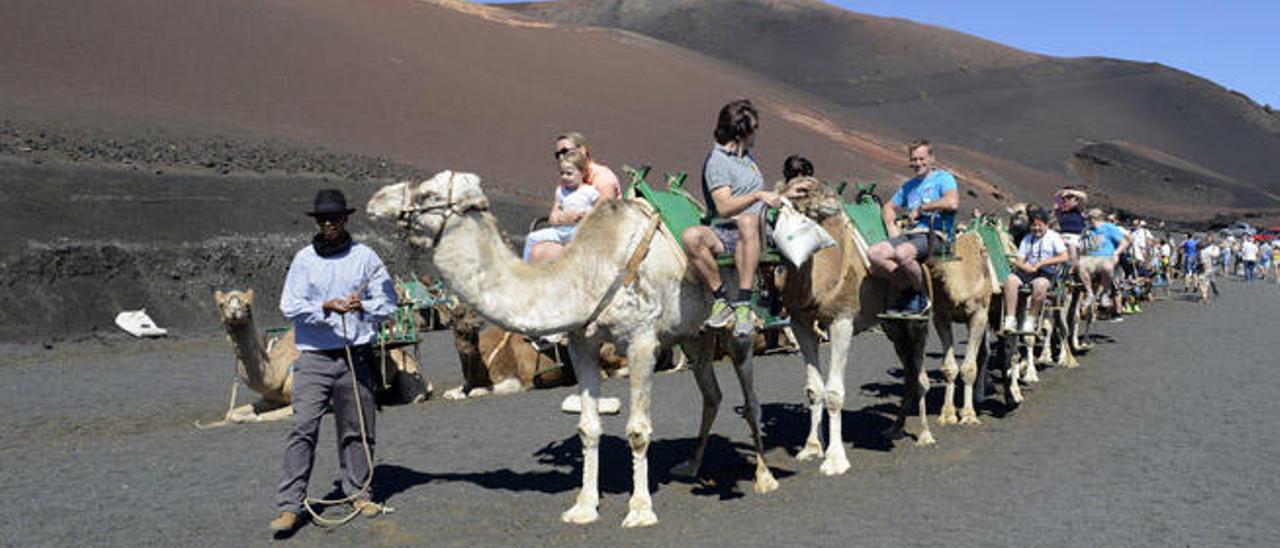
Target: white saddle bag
798, 236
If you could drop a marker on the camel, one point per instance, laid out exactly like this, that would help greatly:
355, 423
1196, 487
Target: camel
497, 362
266, 366
621, 280
835, 286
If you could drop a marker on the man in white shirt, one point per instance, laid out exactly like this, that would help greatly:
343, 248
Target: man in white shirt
1039, 255
1249, 254
1209, 256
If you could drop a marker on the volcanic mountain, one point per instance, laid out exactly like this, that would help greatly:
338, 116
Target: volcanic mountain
151, 152
1175, 144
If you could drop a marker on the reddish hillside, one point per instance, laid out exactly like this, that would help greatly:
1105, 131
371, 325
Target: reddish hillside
430, 84
1008, 104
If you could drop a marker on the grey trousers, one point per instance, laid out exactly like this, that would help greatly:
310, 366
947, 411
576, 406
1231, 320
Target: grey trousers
318, 378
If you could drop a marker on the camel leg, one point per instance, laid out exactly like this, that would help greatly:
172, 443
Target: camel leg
813, 388
942, 323
275, 414
837, 462
1014, 353
969, 369
586, 368
641, 354
699, 352
1066, 358
908, 340
922, 382
1046, 339
742, 365
1029, 373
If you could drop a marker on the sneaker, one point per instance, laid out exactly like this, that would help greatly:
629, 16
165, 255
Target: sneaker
1117, 319
743, 323
1028, 325
721, 314
918, 305
286, 521
1010, 323
1137, 309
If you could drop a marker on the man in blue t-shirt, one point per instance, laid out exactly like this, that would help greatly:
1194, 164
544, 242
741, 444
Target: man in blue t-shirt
1105, 243
1190, 254
931, 200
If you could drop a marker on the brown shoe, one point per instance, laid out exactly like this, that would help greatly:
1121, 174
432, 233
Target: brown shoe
286, 521
367, 508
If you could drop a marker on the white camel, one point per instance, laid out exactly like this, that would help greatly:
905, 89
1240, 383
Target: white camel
623, 279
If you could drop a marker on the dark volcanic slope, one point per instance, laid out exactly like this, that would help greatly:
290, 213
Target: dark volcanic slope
1027, 108
151, 152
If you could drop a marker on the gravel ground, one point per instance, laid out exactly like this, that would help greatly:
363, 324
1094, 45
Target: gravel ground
1152, 442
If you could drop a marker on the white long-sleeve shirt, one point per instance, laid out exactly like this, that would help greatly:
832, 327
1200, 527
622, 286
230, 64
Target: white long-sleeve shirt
313, 279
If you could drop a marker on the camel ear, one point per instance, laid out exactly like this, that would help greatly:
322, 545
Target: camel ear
219, 296
248, 296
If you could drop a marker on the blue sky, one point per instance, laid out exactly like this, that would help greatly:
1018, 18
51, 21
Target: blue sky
1223, 40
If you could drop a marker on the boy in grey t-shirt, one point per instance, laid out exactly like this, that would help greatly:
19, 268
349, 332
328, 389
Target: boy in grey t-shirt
735, 195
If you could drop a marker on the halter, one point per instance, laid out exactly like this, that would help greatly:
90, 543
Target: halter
450, 209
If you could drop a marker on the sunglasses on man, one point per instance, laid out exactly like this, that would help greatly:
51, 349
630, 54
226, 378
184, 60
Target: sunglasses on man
563, 151
331, 218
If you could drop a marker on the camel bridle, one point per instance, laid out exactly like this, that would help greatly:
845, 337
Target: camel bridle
410, 214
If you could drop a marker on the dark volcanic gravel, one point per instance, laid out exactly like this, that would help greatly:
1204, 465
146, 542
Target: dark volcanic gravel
101, 221
1162, 438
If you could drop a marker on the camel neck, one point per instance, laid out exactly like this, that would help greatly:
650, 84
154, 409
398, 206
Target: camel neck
533, 299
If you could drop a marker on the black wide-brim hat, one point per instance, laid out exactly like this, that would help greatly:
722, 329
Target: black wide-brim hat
330, 201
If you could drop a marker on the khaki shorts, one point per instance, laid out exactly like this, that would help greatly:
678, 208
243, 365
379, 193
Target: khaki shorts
1094, 264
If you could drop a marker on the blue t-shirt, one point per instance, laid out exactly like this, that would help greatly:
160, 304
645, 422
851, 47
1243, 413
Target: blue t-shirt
1190, 248
916, 192
1104, 239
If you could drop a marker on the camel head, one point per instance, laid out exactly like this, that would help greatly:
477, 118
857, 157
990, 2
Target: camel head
425, 208
821, 202
234, 307
1019, 221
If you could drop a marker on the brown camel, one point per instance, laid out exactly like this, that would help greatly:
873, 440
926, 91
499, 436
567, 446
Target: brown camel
835, 288
264, 365
495, 361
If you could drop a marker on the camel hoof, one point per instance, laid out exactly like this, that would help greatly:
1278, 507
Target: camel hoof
948, 416
925, 439
455, 394
580, 514
812, 450
1031, 376
835, 465
970, 419
640, 518
765, 483
1016, 394
685, 469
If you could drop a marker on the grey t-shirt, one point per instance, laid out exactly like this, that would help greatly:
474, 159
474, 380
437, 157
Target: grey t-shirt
739, 173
